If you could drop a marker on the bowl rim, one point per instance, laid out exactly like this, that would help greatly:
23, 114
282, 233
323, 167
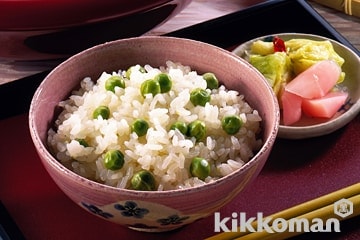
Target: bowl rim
59, 167
319, 129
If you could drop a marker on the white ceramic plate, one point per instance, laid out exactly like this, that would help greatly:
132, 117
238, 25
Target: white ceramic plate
313, 127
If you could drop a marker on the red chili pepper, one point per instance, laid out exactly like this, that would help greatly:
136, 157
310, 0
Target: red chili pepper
279, 45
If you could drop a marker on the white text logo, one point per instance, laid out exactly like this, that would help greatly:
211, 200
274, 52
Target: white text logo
239, 222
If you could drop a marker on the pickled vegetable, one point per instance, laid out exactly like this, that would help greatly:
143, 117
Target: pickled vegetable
276, 68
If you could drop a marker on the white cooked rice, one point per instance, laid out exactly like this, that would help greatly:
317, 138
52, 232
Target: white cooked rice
166, 153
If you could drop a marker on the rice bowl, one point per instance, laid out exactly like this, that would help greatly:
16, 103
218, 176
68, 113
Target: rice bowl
185, 204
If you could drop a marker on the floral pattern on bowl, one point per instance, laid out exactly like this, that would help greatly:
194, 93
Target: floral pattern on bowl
141, 215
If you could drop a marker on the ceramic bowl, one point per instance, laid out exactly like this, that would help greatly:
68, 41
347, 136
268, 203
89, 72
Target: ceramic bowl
43, 30
176, 207
312, 127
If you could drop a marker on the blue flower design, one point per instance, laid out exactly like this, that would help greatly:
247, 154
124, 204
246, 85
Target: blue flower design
95, 210
347, 105
130, 209
173, 219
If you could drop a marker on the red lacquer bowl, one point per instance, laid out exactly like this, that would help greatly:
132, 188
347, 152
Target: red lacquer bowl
48, 29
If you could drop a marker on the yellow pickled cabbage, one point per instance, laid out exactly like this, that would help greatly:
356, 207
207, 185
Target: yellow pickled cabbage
275, 67
262, 48
280, 67
304, 53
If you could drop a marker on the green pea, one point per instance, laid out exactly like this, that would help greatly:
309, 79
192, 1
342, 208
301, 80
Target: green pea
231, 124
164, 81
150, 86
211, 80
82, 142
114, 160
143, 181
140, 127
130, 69
181, 126
102, 111
199, 168
199, 96
114, 81
197, 129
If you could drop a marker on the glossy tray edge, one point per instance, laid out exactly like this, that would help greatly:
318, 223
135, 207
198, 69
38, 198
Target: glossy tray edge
8, 228
200, 31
